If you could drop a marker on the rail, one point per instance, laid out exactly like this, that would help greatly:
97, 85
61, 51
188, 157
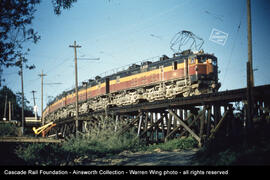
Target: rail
210, 98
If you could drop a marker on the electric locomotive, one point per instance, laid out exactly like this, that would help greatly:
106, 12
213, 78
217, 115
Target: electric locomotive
185, 74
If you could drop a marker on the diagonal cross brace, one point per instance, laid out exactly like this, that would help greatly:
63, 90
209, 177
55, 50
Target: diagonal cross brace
184, 130
153, 125
185, 126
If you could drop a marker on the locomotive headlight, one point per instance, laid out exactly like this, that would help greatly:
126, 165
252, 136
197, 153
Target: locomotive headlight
210, 60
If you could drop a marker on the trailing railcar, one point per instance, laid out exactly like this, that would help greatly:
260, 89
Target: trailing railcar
185, 74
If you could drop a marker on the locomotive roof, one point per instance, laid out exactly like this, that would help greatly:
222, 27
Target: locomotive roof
137, 69
151, 65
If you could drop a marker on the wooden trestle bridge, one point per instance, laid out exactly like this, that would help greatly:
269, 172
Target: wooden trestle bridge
201, 116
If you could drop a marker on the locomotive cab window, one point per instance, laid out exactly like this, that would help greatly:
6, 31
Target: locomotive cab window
192, 60
117, 79
201, 59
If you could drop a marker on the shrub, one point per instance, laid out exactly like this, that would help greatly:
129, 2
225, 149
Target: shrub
41, 153
224, 151
8, 129
100, 141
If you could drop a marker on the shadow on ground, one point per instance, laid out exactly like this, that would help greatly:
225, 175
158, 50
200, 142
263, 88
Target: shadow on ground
126, 158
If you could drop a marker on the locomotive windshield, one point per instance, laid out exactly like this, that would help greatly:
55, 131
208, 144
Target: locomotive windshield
202, 59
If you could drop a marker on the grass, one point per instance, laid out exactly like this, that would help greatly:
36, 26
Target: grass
175, 144
101, 141
89, 147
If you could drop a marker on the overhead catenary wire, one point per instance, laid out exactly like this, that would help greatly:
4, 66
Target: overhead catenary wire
233, 47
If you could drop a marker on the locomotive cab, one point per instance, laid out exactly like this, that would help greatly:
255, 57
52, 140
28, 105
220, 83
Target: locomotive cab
206, 72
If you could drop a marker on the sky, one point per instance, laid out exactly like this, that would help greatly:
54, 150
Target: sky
122, 32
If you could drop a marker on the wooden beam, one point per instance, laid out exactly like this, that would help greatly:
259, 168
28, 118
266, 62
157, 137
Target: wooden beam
218, 125
194, 120
151, 137
130, 124
184, 130
156, 127
185, 126
216, 114
140, 125
202, 122
169, 123
146, 121
208, 124
162, 129
153, 125
176, 128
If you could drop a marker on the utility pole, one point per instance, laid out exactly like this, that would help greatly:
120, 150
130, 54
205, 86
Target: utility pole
21, 74
12, 107
250, 43
41, 75
5, 109
250, 77
35, 109
34, 97
75, 46
9, 110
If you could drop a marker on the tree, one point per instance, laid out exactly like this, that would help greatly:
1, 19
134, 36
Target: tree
15, 30
7, 94
58, 5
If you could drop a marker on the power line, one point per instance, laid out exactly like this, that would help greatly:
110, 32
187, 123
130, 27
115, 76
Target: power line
233, 47
88, 59
51, 83
58, 65
219, 17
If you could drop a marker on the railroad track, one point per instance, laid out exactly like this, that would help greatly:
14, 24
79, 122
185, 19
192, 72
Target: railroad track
222, 97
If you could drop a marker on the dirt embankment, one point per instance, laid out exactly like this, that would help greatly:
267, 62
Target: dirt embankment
156, 158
